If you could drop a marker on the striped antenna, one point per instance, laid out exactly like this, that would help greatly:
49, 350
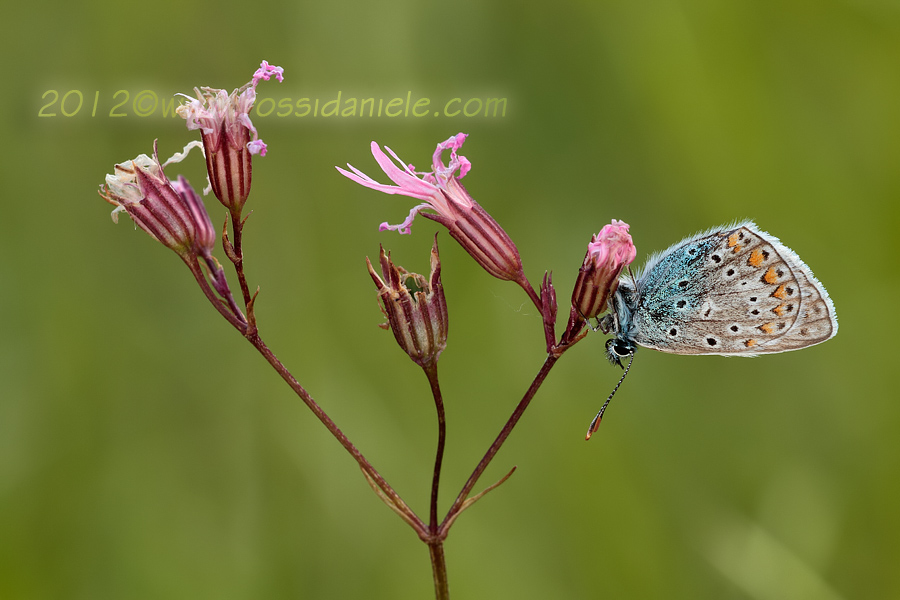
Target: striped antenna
595, 424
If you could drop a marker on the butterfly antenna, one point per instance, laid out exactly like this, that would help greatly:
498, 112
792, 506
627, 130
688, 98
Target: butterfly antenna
595, 424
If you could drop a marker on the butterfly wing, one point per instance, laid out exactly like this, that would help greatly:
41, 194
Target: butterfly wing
733, 291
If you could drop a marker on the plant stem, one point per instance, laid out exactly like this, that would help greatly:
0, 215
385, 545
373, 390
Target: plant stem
434, 533
431, 373
532, 294
575, 331
237, 227
439, 568
436, 542
325, 419
232, 318
495, 447
252, 335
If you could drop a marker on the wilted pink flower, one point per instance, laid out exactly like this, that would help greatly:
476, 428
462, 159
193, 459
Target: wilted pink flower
608, 253
229, 137
170, 211
469, 224
418, 319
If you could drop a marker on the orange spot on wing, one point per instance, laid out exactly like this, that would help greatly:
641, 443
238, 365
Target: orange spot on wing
771, 276
779, 310
767, 327
732, 240
756, 258
779, 293
750, 343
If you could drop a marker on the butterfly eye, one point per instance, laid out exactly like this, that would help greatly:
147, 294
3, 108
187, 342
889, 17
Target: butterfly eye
619, 347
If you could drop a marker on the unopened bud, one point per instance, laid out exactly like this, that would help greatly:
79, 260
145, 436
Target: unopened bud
609, 252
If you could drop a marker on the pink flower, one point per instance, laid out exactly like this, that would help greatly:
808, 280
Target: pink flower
229, 137
439, 188
608, 253
441, 191
170, 211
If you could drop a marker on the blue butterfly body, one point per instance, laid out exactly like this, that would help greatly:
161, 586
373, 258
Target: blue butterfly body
733, 290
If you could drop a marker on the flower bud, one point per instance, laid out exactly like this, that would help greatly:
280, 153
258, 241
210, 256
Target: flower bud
483, 238
170, 211
608, 253
418, 317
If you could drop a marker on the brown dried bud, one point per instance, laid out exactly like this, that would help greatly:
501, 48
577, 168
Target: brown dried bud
417, 316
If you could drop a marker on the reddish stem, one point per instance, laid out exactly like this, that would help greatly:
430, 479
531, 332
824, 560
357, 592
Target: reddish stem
237, 227
439, 569
431, 373
252, 335
495, 447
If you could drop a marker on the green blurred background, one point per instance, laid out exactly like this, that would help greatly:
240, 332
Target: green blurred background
147, 452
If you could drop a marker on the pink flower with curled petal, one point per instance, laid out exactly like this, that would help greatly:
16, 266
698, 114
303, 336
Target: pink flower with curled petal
229, 137
440, 189
608, 253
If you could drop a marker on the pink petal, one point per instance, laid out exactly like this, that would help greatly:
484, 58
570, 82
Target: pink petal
257, 147
405, 226
410, 185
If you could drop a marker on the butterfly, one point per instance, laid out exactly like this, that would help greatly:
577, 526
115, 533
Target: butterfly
733, 290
